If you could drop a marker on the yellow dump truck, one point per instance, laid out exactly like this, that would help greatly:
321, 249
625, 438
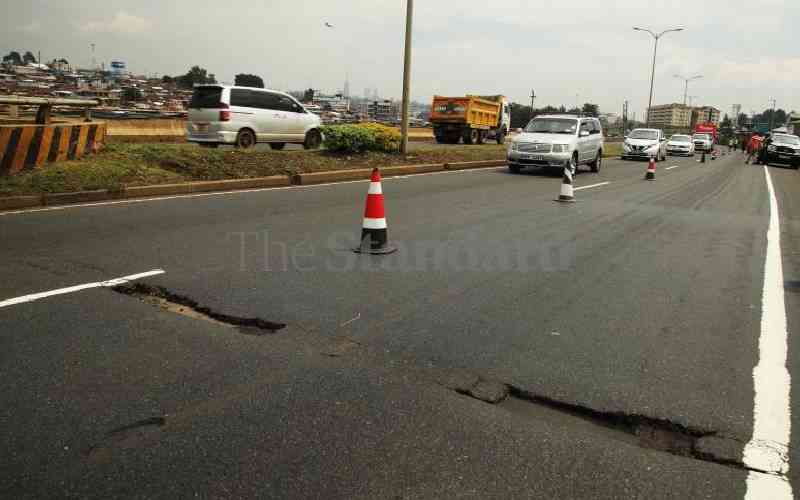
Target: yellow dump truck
471, 118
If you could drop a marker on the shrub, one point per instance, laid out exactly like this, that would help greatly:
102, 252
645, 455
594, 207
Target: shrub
361, 137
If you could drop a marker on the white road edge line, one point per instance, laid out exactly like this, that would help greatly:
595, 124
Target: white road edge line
226, 193
590, 186
78, 288
674, 166
768, 449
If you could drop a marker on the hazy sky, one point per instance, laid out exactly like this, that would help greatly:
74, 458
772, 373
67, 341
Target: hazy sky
748, 51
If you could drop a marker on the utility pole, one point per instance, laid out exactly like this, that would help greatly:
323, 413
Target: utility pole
686, 85
533, 98
624, 117
406, 77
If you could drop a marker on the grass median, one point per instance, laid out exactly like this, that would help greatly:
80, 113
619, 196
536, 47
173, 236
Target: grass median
120, 165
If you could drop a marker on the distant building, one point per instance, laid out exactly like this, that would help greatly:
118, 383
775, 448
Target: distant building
705, 114
383, 111
671, 116
337, 103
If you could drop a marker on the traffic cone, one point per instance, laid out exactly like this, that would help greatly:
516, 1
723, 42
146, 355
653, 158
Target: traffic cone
651, 170
374, 237
566, 195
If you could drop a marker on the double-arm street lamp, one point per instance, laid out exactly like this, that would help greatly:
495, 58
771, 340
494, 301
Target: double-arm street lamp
686, 86
655, 36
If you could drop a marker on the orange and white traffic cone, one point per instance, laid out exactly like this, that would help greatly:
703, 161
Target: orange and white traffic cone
651, 170
374, 236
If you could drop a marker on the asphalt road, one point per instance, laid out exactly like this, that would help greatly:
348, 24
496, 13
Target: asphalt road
627, 325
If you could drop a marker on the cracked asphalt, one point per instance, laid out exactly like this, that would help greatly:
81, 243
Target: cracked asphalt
643, 299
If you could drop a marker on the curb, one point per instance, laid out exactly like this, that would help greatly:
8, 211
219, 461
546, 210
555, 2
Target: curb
47, 199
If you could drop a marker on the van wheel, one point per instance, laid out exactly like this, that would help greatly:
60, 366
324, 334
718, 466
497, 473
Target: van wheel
245, 139
277, 146
597, 163
471, 136
313, 140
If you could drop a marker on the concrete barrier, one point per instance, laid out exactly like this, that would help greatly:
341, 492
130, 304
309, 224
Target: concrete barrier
31, 146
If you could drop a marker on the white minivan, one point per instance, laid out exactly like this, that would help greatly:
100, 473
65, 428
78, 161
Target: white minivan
245, 116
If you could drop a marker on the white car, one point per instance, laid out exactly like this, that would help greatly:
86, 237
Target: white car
703, 142
558, 141
245, 116
680, 144
645, 143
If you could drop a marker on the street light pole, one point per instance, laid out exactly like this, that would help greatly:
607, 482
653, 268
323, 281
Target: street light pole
656, 37
406, 77
772, 115
686, 86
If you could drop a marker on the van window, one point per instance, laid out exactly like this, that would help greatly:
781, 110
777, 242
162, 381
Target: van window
597, 128
266, 100
286, 104
242, 97
206, 97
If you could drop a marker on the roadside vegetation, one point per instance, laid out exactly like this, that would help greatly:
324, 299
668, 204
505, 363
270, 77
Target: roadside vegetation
119, 165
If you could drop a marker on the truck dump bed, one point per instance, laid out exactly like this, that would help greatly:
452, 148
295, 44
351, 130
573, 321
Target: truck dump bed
473, 111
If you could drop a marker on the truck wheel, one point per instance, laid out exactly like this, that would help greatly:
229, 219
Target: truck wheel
501, 136
453, 138
440, 139
481, 137
471, 136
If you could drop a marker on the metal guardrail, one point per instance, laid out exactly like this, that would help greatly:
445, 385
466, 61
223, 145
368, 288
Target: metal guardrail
45, 105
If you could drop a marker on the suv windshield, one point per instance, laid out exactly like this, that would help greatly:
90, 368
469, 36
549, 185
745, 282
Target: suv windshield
702, 136
552, 126
787, 139
644, 134
680, 138
206, 97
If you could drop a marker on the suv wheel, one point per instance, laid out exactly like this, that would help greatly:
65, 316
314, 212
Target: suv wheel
573, 163
245, 139
313, 140
598, 162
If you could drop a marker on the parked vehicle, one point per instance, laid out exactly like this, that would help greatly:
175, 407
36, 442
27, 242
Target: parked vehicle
680, 144
708, 128
785, 148
558, 141
703, 142
645, 143
472, 118
244, 116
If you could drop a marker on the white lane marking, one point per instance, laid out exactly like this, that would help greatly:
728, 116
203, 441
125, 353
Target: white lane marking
768, 450
674, 166
590, 186
229, 193
78, 288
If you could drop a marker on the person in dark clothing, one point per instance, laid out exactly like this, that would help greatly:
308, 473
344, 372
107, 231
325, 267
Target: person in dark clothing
762, 153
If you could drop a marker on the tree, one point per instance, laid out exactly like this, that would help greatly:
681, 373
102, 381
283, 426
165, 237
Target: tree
130, 94
247, 80
726, 122
308, 95
196, 75
591, 109
167, 79
28, 58
13, 57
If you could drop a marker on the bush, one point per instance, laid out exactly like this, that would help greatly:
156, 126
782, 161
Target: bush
362, 137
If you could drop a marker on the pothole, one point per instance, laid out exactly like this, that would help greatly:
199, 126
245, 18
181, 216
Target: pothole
638, 430
179, 304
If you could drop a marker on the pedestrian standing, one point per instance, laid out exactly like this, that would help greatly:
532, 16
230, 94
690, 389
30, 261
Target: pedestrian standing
753, 148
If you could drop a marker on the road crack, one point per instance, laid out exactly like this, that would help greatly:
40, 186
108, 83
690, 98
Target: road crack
181, 304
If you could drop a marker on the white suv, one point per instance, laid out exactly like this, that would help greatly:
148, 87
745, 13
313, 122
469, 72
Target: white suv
557, 141
244, 116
